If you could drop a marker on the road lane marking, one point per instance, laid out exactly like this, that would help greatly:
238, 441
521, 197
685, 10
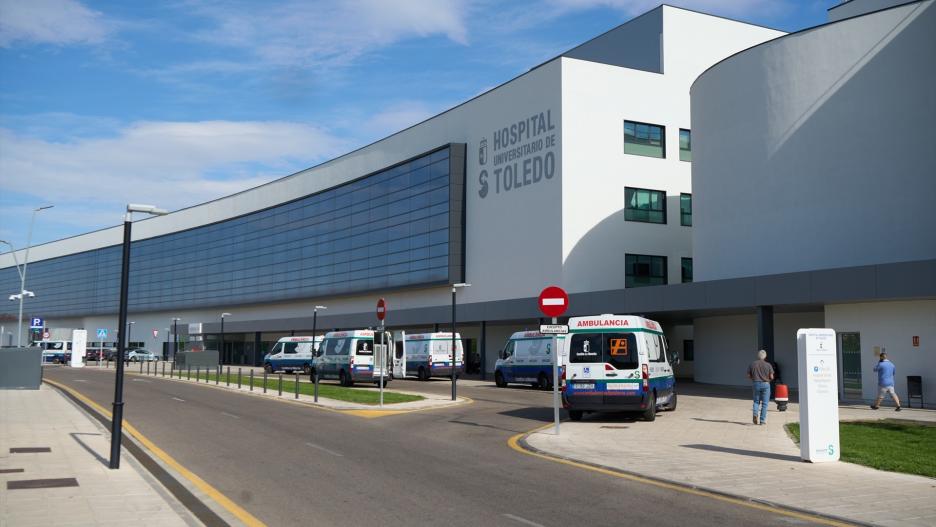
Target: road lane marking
248, 519
141, 380
323, 449
230, 415
177, 399
514, 443
81, 380
523, 520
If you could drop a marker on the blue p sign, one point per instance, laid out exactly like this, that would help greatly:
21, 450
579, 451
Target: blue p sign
36, 323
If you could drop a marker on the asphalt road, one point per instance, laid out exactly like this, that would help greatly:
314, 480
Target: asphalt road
289, 464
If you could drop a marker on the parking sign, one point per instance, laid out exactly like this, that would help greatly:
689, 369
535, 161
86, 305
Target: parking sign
36, 323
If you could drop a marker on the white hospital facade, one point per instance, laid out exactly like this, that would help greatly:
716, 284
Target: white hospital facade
731, 181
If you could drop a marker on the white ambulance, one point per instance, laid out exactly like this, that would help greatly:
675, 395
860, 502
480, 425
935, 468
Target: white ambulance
291, 354
352, 356
618, 363
425, 355
527, 358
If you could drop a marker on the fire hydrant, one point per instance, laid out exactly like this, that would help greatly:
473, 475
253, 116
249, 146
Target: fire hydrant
781, 396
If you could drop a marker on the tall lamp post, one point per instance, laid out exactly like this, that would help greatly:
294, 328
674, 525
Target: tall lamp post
314, 320
22, 274
129, 330
221, 347
455, 288
117, 420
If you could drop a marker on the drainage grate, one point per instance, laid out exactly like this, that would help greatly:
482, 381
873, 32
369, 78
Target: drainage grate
42, 483
10, 470
30, 450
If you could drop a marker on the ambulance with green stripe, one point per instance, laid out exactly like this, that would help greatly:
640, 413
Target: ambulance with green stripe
617, 363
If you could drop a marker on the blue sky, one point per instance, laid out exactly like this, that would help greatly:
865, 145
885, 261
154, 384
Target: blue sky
178, 102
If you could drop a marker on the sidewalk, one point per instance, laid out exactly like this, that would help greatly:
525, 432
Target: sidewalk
710, 442
79, 447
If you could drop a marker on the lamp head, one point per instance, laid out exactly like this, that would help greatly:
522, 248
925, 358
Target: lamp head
148, 209
320, 307
223, 315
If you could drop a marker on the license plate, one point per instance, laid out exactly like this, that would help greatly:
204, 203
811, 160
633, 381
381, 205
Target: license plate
622, 386
583, 386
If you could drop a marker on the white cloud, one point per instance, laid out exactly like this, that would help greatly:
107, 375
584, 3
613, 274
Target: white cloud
173, 164
398, 116
312, 33
50, 22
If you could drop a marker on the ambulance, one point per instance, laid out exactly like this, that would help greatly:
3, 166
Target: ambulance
527, 358
425, 355
618, 363
292, 354
353, 356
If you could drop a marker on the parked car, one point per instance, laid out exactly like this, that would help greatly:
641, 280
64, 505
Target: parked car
141, 355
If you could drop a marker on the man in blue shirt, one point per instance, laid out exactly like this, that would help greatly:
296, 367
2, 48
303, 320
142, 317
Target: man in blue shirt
885, 370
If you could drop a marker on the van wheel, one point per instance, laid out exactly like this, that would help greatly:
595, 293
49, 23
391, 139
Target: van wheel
344, 379
576, 415
268, 368
650, 413
499, 380
306, 369
671, 406
422, 375
544, 383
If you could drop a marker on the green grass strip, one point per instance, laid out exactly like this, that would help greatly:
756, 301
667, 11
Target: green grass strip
891, 444
326, 390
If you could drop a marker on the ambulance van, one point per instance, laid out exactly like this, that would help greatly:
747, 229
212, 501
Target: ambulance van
291, 354
618, 363
527, 358
352, 356
425, 355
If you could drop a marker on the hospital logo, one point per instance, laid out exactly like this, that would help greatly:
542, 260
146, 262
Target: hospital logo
482, 152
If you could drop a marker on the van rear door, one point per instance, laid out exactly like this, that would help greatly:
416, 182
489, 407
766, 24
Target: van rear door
603, 367
399, 355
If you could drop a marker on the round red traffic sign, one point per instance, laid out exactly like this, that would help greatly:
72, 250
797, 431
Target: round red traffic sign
381, 309
553, 301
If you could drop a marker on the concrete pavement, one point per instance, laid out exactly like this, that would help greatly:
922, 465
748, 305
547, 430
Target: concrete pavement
710, 442
78, 448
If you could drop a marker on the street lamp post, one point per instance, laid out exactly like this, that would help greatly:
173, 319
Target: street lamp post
22, 293
175, 336
455, 288
314, 320
129, 331
221, 347
117, 419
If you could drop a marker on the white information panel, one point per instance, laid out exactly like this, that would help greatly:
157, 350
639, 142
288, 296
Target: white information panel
818, 395
79, 347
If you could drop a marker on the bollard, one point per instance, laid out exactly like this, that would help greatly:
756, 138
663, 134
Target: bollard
251, 380
296, 387
147, 367
141, 367
164, 369
264, 380
197, 373
238, 378
217, 374
280, 384
316, 384
188, 373
227, 379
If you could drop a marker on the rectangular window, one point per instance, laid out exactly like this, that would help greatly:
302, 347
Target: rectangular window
644, 139
686, 270
685, 145
642, 269
618, 349
645, 205
685, 210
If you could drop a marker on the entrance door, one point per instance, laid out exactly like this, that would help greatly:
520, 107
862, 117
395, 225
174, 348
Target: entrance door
851, 366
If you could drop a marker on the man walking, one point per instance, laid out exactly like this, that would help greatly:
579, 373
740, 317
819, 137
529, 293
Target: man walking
761, 373
885, 370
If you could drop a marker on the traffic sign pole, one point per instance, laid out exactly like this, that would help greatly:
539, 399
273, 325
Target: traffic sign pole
553, 302
380, 352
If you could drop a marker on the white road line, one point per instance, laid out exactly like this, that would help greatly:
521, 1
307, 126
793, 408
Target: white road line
230, 415
180, 400
523, 520
81, 380
141, 380
323, 449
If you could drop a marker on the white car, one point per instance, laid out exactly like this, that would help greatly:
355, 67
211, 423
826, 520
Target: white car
141, 355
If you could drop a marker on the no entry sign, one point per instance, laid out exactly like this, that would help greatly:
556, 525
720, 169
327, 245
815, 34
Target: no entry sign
381, 309
553, 301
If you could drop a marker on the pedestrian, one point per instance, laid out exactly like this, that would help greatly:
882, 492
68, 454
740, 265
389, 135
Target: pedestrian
761, 373
885, 370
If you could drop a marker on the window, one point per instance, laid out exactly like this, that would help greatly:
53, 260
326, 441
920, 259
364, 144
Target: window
642, 269
645, 205
644, 139
509, 349
290, 348
685, 145
685, 210
686, 270
655, 348
688, 350
618, 349
276, 349
365, 347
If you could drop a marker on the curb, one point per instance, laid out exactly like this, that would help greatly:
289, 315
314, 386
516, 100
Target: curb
521, 441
